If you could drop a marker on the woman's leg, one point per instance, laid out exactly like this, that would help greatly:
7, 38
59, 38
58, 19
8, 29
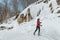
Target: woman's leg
38, 31
35, 30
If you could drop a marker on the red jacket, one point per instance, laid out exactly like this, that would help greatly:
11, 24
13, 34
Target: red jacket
38, 23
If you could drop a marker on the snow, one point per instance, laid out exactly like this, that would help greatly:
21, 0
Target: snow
24, 31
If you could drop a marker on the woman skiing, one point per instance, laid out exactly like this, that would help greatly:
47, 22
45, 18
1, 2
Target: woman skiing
38, 26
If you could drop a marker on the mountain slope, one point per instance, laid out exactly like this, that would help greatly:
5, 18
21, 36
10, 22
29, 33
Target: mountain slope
24, 31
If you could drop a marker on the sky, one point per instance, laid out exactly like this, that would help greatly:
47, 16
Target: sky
0, 1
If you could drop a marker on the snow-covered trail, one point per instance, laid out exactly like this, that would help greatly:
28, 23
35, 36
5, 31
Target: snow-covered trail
25, 31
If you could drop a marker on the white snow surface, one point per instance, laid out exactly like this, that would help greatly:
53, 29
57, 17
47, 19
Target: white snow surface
50, 29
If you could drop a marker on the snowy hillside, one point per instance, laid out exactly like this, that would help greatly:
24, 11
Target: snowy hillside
50, 29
